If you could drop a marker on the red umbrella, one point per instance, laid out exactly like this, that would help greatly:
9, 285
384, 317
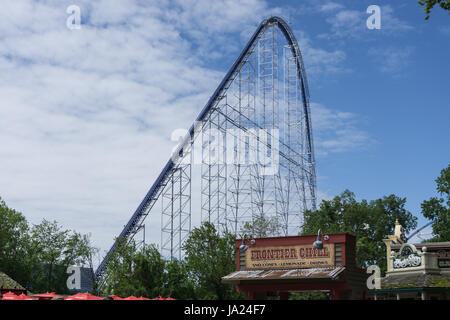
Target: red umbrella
161, 298
25, 297
136, 298
11, 296
132, 298
83, 296
47, 296
116, 297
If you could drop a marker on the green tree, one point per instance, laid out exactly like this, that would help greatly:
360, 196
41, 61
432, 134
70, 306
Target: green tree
14, 244
209, 257
178, 283
118, 274
87, 250
370, 221
262, 227
438, 209
135, 271
51, 251
38, 257
429, 4
148, 271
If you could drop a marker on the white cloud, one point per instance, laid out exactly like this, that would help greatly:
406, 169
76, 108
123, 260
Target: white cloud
392, 24
330, 6
392, 60
86, 115
318, 61
336, 131
350, 23
346, 23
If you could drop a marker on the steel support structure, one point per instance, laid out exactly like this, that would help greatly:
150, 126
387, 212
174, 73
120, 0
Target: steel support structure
260, 111
176, 211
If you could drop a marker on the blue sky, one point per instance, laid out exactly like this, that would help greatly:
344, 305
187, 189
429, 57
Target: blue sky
86, 115
398, 85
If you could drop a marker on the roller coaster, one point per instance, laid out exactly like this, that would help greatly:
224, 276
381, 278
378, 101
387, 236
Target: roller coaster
259, 111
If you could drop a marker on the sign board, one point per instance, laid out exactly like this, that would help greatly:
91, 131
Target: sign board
289, 257
444, 263
407, 257
443, 258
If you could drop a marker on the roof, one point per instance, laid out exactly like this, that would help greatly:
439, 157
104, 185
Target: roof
429, 245
329, 273
7, 283
416, 280
399, 290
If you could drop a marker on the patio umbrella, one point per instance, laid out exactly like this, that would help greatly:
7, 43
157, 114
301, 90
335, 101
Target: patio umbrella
131, 298
25, 297
116, 297
47, 296
11, 296
83, 296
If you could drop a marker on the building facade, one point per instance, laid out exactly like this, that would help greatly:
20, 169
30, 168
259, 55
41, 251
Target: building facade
276, 266
414, 271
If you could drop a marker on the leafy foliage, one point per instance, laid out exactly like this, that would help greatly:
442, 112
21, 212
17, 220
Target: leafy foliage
261, 228
135, 272
38, 257
429, 4
142, 271
178, 283
438, 209
370, 221
52, 251
209, 257
14, 244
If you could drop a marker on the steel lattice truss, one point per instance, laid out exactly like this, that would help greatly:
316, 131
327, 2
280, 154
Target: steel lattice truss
253, 142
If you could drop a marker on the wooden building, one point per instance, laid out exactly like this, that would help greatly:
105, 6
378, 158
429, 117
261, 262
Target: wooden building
416, 272
277, 266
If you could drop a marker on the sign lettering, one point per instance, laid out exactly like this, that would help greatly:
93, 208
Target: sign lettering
301, 256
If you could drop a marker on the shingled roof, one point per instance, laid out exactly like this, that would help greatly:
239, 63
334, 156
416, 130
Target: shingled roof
8, 283
416, 280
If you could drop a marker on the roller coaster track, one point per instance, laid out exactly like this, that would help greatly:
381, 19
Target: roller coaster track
417, 231
164, 178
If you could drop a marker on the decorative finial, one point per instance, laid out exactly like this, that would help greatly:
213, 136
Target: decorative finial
398, 229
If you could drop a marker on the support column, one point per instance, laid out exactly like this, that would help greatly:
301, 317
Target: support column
284, 295
255, 295
335, 294
424, 295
